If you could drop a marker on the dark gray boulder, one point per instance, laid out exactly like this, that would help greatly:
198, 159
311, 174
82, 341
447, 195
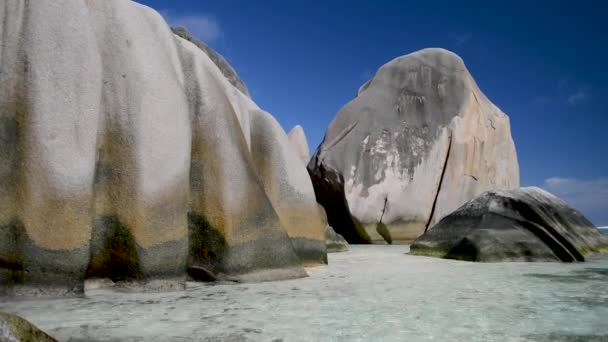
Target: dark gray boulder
218, 59
527, 224
16, 329
418, 141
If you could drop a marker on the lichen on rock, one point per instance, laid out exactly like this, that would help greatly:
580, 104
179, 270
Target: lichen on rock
130, 154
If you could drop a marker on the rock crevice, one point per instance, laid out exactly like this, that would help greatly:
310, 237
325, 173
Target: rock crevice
441, 179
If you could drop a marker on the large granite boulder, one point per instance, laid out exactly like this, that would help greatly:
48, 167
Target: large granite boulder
219, 60
418, 141
527, 224
127, 154
259, 183
298, 142
16, 329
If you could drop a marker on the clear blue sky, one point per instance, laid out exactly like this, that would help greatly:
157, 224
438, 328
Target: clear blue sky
544, 64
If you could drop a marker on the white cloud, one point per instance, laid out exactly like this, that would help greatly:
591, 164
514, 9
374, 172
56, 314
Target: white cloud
574, 94
588, 196
580, 96
204, 27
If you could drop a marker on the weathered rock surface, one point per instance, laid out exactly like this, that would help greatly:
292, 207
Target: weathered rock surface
334, 241
298, 141
264, 158
527, 224
219, 60
16, 329
128, 155
418, 141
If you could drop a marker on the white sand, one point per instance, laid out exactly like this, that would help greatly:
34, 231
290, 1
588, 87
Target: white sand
372, 293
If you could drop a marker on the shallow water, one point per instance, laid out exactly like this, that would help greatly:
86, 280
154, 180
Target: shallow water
372, 293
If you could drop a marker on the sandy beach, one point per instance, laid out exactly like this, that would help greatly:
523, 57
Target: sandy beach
369, 293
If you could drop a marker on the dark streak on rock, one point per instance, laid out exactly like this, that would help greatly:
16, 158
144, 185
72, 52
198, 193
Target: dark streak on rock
381, 227
329, 190
207, 247
113, 251
473, 177
445, 165
340, 137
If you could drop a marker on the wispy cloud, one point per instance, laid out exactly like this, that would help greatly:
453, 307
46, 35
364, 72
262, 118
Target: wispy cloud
581, 95
204, 26
461, 39
565, 92
588, 196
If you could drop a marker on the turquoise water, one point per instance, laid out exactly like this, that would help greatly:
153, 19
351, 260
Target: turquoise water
372, 293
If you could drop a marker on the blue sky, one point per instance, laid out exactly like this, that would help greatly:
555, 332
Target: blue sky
544, 64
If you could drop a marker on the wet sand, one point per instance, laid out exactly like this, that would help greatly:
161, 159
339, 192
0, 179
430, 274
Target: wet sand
371, 293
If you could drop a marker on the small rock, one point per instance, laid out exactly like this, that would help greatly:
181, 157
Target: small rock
16, 329
200, 273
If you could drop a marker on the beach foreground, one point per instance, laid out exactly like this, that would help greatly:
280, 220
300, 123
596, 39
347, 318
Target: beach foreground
369, 293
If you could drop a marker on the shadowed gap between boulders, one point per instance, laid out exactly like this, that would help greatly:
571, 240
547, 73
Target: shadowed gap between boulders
329, 191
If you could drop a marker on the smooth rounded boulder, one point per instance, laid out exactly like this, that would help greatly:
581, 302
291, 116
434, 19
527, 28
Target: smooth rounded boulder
527, 224
418, 141
128, 155
219, 60
298, 142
